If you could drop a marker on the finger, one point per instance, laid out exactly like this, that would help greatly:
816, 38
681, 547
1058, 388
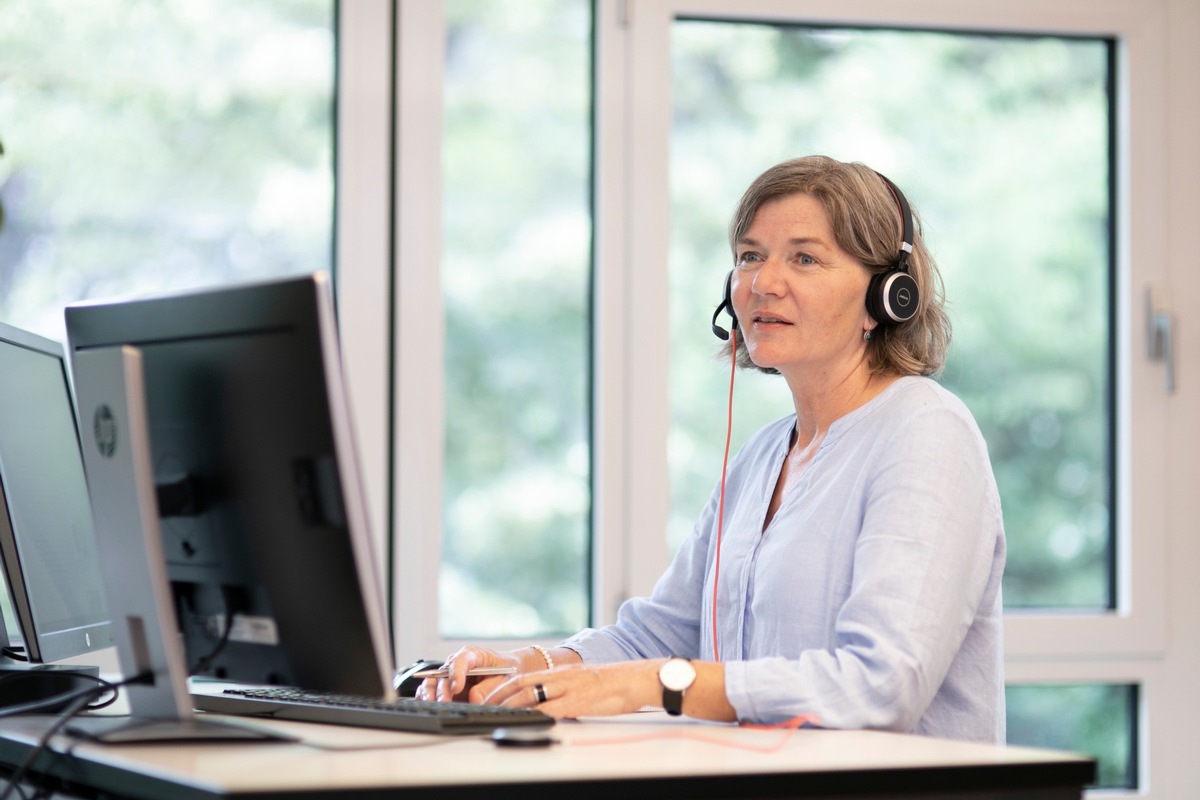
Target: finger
444, 691
456, 667
504, 690
482, 689
527, 691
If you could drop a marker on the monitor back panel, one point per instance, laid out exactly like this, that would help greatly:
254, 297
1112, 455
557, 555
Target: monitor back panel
261, 509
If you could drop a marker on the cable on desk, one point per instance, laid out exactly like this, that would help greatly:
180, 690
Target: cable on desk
788, 727
81, 700
46, 703
432, 741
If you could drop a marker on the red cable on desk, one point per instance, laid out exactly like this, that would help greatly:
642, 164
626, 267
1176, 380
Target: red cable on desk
788, 726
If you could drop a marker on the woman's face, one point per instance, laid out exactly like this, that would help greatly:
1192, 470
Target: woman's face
799, 298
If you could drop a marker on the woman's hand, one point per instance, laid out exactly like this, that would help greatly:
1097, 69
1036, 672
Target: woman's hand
457, 685
578, 690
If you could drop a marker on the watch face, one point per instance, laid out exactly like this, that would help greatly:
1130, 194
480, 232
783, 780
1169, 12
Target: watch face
677, 674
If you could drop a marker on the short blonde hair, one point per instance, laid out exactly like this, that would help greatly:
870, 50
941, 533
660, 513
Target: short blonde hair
866, 223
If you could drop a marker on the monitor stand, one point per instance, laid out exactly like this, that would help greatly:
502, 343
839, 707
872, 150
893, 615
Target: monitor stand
110, 391
140, 730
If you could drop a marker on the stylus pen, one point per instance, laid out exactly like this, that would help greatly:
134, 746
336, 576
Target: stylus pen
443, 672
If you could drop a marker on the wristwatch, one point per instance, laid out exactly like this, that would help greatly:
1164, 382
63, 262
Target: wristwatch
676, 676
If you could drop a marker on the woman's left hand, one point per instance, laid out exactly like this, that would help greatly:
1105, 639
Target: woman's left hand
582, 690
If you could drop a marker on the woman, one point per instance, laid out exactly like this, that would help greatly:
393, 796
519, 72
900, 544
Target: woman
854, 576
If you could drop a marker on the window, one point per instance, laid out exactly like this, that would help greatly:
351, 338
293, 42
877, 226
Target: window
1101, 618
161, 145
1028, 274
1099, 719
516, 274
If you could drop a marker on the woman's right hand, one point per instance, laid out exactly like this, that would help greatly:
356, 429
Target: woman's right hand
458, 686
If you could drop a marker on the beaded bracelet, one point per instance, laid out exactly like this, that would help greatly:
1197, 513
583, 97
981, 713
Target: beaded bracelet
545, 654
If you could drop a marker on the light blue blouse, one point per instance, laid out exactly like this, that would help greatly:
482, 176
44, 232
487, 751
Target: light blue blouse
872, 600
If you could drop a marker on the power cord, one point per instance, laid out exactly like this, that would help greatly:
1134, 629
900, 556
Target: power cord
47, 703
207, 659
79, 699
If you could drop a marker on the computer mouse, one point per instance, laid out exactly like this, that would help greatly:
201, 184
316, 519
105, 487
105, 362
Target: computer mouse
404, 682
522, 737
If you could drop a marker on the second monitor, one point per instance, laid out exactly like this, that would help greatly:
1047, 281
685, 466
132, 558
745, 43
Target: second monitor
47, 548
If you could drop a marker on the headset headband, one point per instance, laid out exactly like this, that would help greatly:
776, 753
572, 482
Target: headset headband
906, 222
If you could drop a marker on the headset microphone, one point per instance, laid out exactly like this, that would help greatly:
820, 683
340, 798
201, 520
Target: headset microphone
726, 305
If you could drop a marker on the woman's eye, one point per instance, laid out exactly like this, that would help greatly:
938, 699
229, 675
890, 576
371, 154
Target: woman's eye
747, 258
805, 260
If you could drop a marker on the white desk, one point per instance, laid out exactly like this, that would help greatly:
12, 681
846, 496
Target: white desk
641, 755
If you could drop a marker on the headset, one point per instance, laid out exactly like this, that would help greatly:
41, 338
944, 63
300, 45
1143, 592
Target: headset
892, 296
726, 305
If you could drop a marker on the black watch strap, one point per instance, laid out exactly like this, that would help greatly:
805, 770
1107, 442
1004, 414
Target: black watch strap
672, 702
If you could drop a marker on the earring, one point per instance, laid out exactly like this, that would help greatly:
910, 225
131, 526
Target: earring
866, 336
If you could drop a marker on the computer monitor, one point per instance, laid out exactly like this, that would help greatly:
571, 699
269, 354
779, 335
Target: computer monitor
250, 487
47, 546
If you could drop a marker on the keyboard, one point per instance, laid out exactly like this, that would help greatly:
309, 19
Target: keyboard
403, 714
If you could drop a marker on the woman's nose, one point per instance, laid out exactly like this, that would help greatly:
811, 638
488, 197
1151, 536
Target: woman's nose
768, 278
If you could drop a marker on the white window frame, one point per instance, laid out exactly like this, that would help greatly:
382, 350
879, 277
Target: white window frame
1127, 645
390, 59
389, 246
1137, 625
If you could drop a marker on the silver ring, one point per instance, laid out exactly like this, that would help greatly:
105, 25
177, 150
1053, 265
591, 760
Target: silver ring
539, 691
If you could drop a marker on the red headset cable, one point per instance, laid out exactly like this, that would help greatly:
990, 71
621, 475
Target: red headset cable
721, 501
803, 719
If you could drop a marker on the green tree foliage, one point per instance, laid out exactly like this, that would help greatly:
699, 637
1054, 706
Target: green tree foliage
160, 144
1099, 719
517, 284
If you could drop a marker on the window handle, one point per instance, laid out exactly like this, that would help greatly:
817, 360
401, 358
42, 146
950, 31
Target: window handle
1160, 333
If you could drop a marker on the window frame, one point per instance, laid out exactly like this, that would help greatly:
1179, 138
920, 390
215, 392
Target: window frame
1126, 644
1136, 625
394, 335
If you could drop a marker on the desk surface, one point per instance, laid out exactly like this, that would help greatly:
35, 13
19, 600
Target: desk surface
639, 755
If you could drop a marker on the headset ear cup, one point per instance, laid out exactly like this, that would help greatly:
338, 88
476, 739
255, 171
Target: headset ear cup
892, 297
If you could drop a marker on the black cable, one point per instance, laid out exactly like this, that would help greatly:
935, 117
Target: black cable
206, 660
16, 653
47, 703
81, 699
19, 774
